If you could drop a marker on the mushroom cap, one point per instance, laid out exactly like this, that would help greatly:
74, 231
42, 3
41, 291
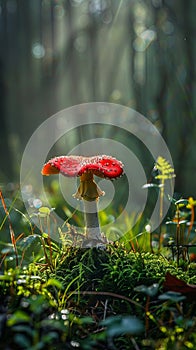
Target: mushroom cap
103, 166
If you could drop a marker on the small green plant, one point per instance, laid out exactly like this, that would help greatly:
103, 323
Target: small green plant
165, 172
183, 222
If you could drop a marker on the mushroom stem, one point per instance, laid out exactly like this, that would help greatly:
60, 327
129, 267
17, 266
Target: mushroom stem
92, 221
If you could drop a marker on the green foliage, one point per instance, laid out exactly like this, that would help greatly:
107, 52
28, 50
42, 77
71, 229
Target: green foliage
94, 299
166, 171
57, 296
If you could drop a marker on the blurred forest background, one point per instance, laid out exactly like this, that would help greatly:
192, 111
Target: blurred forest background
58, 53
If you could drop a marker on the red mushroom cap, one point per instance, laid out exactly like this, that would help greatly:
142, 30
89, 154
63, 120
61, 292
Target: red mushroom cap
71, 166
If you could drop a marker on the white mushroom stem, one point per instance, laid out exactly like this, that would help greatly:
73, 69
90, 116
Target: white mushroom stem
92, 221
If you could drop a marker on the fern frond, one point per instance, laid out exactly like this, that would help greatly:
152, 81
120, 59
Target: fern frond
166, 171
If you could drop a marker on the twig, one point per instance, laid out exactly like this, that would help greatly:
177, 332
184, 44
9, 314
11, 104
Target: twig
105, 309
134, 344
111, 294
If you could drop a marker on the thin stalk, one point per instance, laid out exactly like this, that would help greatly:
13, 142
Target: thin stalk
136, 347
161, 210
48, 263
49, 237
105, 309
147, 316
191, 222
151, 245
161, 199
91, 220
178, 235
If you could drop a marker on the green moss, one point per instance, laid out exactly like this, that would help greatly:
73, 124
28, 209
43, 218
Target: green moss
114, 269
68, 300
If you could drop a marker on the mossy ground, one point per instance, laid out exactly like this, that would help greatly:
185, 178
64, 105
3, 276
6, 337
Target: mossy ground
63, 304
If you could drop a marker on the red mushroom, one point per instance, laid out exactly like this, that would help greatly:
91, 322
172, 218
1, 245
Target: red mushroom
86, 167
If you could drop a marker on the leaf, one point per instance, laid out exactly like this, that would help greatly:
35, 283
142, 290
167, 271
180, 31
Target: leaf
171, 199
22, 340
17, 317
191, 203
53, 324
150, 291
181, 222
174, 284
151, 185
55, 283
23, 328
117, 325
45, 235
172, 296
171, 222
7, 250
87, 320
49, 338
182, 202
44, 211
5, 277
38, 304
27, 241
